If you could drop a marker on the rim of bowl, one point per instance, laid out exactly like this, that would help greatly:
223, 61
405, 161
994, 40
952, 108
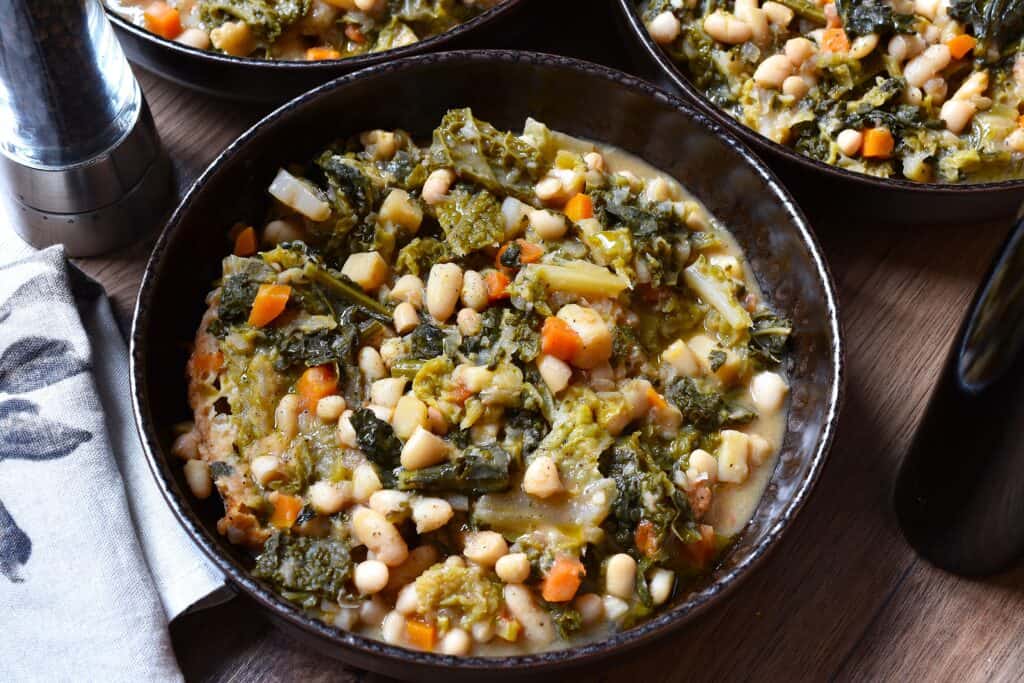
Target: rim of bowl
697, 603
329, 66
679, 80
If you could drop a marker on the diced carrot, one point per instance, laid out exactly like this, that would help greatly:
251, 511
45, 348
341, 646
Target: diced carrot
646, 538
459, 393
208, 362
269, 303
315, 383
563, 579
656, 399
528, 253
497, 285
960, 45
878, 144
286, 510
421, 635
245, 242
318, 54
353, 33
163, 20
558, 339
1020, 121
579, 207
703, 551
835, 40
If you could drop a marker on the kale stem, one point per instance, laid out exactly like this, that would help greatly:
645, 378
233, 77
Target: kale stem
806, 10
348, 292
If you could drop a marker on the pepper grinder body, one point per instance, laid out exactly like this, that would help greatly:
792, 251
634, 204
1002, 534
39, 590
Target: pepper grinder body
80, 160
959, 496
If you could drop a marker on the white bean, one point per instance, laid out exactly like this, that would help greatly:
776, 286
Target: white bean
408, 288
430, 514
664, 28
328, 498
726, 28
330, 408
186, 446
513, 568
957, 114
197, 474
474, 291
380, 536
469, 322
620, 576
265, 469
555, 372
760, 449
768, 390
927, 65
456, 642
409, 414
799, 50
795, 86
849, 141
194, 37
537, 625
541, 478
515, 214
548, 225
408, 601
346, 432
386, 392
862, 46
485, 547
591, 608
286, 416
370, 577
405, 317
443, 287
392, 629
371, 364
435, 189
365, 483
423, 449
778, 14
661, 583
773, 71
394, 505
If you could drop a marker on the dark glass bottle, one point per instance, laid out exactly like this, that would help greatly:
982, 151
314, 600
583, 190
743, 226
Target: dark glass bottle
959, 496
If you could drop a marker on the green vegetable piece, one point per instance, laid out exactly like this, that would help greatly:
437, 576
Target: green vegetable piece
996, 23
471, 221
426, 342
499, 161
376, 438
768, 337
266, 19
706, 411
420, 254
478, 470
320, 566
645, 493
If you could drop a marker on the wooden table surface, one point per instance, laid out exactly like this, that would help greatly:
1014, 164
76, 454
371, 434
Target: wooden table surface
842, 596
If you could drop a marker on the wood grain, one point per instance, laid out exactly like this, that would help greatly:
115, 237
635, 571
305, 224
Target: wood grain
842, 597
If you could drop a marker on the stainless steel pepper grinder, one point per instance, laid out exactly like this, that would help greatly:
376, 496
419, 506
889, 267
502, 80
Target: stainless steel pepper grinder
80, 160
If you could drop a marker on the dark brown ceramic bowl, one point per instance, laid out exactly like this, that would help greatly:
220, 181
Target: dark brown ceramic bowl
504, 88
262, 80
828, 188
